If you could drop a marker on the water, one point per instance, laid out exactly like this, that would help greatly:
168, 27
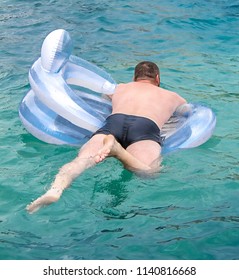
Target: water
191, 210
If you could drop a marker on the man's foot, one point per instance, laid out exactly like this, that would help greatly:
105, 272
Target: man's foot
110, 148
49, 197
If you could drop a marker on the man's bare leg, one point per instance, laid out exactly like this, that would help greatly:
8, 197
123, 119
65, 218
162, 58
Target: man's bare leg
113, 148
62, 181
90, 155
148, 152
68, 173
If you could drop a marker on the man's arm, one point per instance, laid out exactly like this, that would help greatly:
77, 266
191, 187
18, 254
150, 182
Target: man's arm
185, 110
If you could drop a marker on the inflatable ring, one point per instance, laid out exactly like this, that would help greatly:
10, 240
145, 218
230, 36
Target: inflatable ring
67, 103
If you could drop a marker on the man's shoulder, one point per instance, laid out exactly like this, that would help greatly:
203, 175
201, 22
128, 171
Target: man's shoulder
169, 93
123, 86
120, 85
163, 90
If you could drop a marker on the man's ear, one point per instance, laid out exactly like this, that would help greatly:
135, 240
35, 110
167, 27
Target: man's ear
157, 79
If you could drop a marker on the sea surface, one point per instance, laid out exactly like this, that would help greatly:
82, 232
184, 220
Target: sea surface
191, 210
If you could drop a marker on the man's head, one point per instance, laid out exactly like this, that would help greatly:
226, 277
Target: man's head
147, 70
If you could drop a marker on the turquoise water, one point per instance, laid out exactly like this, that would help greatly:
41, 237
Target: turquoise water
191, 210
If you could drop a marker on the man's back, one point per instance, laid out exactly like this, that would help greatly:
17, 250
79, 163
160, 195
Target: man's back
143, 98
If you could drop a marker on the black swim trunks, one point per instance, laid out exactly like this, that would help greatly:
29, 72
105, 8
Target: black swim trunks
128, 129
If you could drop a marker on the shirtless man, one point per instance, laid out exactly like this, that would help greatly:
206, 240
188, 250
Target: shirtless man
131, 133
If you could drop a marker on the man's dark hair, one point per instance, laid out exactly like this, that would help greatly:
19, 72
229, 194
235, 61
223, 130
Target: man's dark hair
146, 70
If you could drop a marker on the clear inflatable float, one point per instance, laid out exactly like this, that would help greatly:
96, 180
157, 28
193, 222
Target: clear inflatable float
66, 103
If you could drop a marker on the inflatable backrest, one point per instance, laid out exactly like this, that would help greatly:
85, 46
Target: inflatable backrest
55, 51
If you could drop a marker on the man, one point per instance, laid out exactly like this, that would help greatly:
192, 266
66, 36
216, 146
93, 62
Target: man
131, 133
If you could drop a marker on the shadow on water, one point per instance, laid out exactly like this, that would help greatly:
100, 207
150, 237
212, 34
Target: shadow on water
116, 188
120, 190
